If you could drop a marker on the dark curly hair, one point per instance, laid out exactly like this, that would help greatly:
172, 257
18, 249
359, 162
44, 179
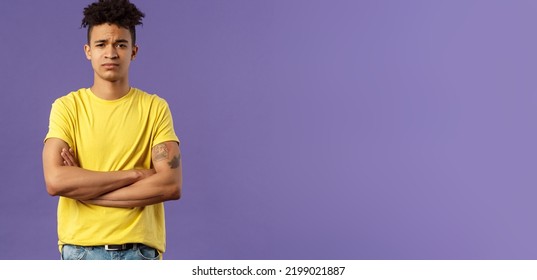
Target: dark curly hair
119, 12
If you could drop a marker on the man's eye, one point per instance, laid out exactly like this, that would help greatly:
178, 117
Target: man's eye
99, 45
121, 46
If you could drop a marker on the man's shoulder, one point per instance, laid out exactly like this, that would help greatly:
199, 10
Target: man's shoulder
150, 97
72, 97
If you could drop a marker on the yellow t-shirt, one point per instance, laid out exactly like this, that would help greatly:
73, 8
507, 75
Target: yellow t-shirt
111, 135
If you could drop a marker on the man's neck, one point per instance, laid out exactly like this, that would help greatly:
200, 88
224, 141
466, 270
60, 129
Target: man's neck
110, 90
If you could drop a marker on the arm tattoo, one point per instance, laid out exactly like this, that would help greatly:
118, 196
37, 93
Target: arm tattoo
160, 152
174, 163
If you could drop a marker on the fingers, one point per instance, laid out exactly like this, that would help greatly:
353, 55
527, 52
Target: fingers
144, 173
68, 157
148, 172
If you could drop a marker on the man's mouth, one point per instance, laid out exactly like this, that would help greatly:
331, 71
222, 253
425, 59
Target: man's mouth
110, 65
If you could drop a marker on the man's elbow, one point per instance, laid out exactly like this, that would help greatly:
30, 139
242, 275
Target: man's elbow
176, 195
51, 191
53, 181
53, 187
56, 187
175, 191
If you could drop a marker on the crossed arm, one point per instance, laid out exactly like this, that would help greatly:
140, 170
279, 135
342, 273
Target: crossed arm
125, 188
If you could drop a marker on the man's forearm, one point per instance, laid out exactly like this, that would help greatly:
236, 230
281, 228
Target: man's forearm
78, 183
124, 203
64, 177
157, 188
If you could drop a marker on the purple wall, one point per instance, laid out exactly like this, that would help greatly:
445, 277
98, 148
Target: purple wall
310, 129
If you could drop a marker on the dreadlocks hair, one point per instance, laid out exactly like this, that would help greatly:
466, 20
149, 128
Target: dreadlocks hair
119, 12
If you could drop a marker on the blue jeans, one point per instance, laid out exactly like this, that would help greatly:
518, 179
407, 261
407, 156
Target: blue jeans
139, 252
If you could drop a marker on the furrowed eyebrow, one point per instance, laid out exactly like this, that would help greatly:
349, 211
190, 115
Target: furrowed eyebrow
116, 41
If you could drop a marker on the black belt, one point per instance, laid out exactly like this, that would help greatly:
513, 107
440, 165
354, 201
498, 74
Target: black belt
120, 247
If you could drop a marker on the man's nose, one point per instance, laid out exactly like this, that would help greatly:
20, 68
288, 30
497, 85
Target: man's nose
111, 52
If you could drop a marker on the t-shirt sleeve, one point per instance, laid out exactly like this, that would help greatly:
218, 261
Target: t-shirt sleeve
60, 123
164, 130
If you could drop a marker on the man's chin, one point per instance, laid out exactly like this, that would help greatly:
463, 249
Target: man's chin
110, 78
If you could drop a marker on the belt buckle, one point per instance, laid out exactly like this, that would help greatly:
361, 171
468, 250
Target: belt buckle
115, 247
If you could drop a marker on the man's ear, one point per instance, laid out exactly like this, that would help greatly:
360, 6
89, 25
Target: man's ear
134, 52
87, 51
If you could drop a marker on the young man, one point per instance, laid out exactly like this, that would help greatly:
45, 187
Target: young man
111, 153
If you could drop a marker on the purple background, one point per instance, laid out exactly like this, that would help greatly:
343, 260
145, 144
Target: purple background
310, 129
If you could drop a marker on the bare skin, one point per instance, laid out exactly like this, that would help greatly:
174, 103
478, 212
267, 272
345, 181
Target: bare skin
110, 51
126, 188
165, 184
166, 158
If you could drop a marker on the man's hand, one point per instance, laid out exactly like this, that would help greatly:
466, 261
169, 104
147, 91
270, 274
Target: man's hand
65, 177
69, 158
144, 173
164, 185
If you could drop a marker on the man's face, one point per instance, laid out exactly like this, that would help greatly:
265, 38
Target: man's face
110, 50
